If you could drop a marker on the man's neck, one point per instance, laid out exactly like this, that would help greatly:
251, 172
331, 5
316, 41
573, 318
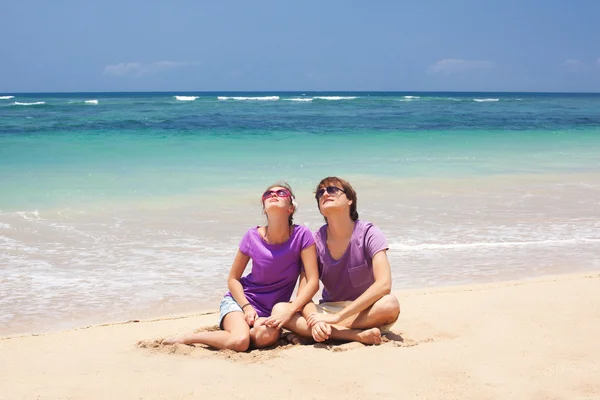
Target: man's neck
339, 227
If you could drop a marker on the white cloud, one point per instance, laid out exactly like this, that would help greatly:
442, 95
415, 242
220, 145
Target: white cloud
572, 63
598, 61
122, 68
141, 69
452, 66
575, 66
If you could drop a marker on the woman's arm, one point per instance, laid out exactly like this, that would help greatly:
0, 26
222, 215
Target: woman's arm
309, 307
309, 279
382, 286
308, 286
235, 286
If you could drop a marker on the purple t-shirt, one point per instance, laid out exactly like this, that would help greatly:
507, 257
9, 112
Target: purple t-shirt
275, 268
347, 278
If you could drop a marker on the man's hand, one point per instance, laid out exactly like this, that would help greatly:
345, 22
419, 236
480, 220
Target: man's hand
314, 318
321, 332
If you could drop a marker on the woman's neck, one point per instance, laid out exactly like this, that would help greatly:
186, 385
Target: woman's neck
340, 226
277, 231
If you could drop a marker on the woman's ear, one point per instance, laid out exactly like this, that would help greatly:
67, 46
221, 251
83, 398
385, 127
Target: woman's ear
293, 205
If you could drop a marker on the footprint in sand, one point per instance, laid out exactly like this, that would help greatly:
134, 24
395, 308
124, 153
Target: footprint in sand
149, 344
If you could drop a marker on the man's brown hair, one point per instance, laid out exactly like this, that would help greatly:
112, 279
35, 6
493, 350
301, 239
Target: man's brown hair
342, 184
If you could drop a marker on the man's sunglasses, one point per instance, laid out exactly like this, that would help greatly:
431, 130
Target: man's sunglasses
332, 190
278, 193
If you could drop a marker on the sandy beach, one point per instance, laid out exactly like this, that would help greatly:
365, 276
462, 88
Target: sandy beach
528, 339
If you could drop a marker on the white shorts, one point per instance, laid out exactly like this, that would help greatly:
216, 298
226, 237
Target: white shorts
334, 307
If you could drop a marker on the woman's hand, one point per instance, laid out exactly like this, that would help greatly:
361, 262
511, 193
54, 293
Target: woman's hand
280, 316
250, 314
321, 331
314, 318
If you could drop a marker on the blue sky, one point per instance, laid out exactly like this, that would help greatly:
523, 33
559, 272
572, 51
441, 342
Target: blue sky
513, 45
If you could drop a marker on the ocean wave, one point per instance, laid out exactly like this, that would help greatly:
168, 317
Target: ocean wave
303, 99
263, 98
37, 103
82, 102
29, 215
408, 98
335, 97
466, 246
485, 100
6, 97
186, 98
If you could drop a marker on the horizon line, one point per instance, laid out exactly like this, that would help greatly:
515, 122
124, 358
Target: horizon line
297, 91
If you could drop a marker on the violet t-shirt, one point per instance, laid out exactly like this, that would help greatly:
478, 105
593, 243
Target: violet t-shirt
275, 268
347, 278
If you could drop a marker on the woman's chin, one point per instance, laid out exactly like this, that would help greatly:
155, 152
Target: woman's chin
276, 209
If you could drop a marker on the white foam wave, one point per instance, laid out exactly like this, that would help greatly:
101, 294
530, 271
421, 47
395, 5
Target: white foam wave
186, 98
409, 98
6, 97
335, 97
485, 100
29, 215
82, 102
302, 99
16, 103
263, 98
466, 246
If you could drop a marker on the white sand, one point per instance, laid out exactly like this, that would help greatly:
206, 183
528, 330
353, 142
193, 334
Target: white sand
537, 339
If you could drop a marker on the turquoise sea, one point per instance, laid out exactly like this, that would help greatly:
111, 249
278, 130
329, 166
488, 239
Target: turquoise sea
117, 206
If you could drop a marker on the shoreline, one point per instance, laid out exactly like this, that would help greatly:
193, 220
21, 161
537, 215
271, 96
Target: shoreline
416, 291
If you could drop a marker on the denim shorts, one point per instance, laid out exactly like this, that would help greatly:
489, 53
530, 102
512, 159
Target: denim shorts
228, 304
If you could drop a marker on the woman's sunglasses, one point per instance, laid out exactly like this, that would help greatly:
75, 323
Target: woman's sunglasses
278, 193
332, 190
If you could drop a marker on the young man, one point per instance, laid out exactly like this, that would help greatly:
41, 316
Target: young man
355, 272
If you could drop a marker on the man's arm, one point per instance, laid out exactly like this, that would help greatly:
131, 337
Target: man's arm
382, 286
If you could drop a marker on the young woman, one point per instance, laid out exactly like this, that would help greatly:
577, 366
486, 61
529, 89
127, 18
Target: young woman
354, 270
279, 252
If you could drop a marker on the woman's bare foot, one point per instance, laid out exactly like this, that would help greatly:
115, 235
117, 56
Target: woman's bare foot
370, 336
182, 339
296, 339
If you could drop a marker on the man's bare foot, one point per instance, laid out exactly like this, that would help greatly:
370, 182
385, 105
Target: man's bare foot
296, 339
182, 339
370, 336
